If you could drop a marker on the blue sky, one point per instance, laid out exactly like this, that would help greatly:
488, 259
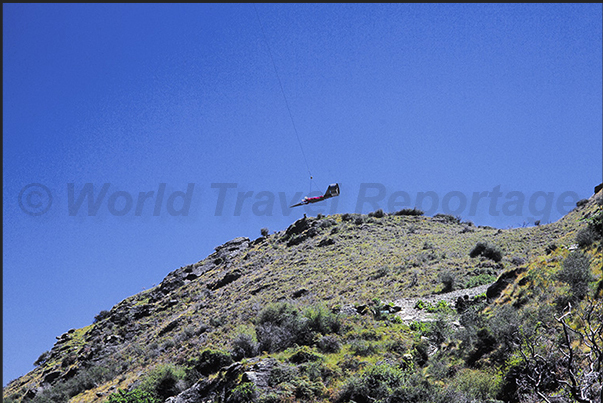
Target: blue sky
392, 101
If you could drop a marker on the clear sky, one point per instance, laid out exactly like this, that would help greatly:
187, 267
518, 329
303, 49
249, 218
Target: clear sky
136, 138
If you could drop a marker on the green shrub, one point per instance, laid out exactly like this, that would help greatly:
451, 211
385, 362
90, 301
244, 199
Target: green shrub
375, 384
478, 385
478, 249
347, 217
322, 320
315, 370
307, 390
595, 223
487, 251
409, 211
478, 280
441, 307
274, 397
377, 214
244, 393
493, 253
133, 396
42, 359
101, 315
163, 382
244, 346
304, 354
576, 273
85, 379
329, 344
210, 362
447, 218
448, 281
280, 326
439, 330
264, 231
585, 237
362, 348
484, 344
281, 374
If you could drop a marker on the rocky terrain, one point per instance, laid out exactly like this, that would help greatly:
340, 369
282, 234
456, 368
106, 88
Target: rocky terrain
320, 310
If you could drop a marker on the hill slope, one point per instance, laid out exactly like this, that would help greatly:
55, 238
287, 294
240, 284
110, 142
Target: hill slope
345, 284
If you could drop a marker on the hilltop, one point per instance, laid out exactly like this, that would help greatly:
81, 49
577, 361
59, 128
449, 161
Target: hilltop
348, 307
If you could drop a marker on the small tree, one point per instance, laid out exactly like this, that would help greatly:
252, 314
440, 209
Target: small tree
264, 231
133, 396
576, 272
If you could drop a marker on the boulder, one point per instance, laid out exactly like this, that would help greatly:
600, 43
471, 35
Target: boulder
227, 279
496, 289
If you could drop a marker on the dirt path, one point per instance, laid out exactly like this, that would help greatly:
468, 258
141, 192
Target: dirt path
409, 314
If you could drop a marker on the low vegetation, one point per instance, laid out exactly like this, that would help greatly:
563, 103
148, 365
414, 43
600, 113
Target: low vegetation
335, 334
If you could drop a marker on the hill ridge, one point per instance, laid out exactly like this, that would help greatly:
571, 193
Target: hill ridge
340, 261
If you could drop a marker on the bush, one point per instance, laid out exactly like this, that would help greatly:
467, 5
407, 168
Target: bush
164, 382
375, 384
304, 354
243, 346
479, 385
447, 279
309, 391
478, 249
42, 359
487, 251
244, 393
595, 223
264, 231
481, 279
576, 273
280, 326
377, 214
362, 348
447, 218
133, 396
210, 361
101, 315
585, 237
484, 344
321, 320
329, 344
409, 211
282, 373
493, 253
85, 379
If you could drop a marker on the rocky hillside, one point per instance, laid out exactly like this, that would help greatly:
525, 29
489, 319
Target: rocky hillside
351, 307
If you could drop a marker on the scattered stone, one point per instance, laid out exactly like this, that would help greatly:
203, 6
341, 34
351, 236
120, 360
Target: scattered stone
299, 293
326, 242
169, 327
227, 279
51, 377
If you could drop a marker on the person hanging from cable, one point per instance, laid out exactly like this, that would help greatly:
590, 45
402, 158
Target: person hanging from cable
332, 191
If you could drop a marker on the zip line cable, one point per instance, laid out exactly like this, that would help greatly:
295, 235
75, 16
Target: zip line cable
284, 96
